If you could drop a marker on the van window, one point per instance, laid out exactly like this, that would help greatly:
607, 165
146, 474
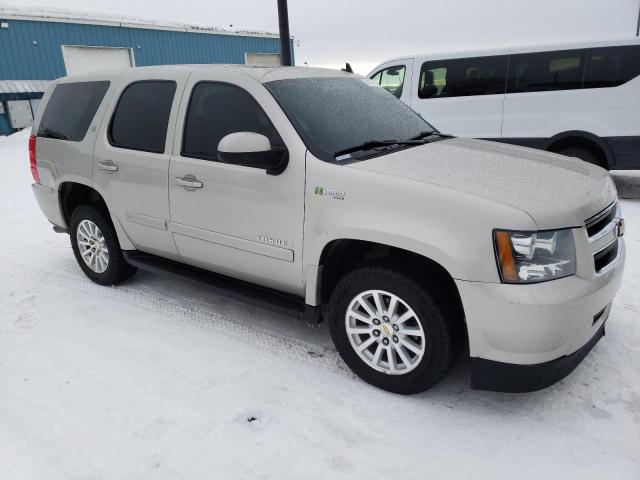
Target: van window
546, 71
612, 66
215, 111
141, 118
71, 109
391, 79
463, 77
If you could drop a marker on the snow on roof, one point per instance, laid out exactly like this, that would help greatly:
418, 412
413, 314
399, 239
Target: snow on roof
47, 14
23, 86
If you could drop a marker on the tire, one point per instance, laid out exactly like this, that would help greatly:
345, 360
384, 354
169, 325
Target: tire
433, 314
88, 222
581, 153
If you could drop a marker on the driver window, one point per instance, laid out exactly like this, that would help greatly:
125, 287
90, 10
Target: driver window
218, 109
391, 79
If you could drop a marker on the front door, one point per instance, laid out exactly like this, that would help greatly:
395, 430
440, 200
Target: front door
231, 219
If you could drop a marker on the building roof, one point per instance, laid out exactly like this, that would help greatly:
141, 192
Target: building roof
46, 14
23, 86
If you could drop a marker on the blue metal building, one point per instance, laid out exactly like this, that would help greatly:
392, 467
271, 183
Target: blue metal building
38, 47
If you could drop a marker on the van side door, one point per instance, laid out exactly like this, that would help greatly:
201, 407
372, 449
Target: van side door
462, 96
229, 218
545, 96
131, 156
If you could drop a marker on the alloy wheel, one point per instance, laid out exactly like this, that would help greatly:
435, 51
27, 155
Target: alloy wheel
385, 332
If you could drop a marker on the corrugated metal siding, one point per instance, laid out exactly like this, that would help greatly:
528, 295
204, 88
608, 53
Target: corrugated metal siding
22, 59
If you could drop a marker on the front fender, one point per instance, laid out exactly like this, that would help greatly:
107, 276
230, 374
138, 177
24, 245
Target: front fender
449, 226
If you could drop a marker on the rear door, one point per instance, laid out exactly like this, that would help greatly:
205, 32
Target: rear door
462, 96
131, 156
236, 220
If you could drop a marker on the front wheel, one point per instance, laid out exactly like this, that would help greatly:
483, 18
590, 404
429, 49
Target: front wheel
96, 248
390, 330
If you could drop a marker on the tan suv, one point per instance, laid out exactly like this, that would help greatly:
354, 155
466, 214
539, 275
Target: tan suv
319, 193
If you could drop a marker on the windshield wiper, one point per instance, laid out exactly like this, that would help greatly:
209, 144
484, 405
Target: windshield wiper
55, 134
371, 144
430, 133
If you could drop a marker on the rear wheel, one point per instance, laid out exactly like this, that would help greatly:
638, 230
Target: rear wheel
390, 330
581, 153
96, 248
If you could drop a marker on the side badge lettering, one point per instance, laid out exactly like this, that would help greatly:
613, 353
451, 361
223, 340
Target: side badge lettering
328, 192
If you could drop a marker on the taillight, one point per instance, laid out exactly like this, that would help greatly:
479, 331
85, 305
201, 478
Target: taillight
32, 159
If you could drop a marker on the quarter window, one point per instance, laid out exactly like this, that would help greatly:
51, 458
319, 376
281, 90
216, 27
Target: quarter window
612, 66
71, 109
463, 77
215, 111
141, 118
391, 79
546, 71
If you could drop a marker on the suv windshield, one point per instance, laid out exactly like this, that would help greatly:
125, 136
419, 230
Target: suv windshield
335, 115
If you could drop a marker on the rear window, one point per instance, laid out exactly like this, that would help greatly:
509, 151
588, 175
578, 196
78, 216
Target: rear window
71, 109
612, 66
141, 118
546, 71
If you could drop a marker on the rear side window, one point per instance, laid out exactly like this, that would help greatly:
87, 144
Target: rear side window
141, 118
391, 79
546, 71
612, 66
463, 77
215, 111
71, 109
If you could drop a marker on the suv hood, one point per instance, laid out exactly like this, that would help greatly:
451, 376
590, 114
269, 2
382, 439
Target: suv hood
557, 191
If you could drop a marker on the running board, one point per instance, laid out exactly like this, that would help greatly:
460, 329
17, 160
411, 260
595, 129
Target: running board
267, 298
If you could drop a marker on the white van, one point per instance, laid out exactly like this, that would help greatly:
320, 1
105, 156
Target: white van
581, 100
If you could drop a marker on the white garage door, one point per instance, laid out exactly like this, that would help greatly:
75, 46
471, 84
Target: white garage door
91, 59
271, 59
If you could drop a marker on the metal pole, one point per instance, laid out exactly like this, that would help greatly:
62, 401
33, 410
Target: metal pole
638, 27
285, 41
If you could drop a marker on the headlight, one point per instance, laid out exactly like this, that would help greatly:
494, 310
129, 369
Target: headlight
530, 257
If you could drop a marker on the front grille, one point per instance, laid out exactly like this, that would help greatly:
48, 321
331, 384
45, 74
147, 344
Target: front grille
605, 256
601, 221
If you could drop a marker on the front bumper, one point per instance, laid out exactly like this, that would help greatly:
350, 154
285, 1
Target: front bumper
530, 336
508, 377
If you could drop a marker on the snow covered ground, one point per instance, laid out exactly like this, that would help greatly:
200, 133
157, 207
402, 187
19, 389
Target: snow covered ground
159, 378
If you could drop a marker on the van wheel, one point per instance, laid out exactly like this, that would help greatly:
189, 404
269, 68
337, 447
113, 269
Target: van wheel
390, 330
96, 247
581, 153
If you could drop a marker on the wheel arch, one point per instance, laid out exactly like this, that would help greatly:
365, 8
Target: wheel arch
72, 194
579, 138
341, 256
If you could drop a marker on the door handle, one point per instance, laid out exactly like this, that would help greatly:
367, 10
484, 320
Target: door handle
108, 166
188, 182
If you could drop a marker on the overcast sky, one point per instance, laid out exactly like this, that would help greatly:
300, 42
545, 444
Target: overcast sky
367, 32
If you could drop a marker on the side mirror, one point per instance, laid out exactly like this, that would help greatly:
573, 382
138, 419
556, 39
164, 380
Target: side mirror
252, 150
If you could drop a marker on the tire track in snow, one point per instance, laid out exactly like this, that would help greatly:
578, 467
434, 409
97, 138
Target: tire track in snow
197, 311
